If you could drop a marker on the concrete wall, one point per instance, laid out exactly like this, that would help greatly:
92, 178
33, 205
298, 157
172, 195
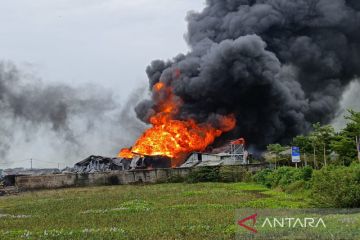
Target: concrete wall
108, 178
97, 179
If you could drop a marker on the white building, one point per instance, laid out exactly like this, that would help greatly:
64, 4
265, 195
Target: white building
235, 154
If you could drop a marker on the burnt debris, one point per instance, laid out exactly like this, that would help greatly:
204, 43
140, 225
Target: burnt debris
147, 162
100, 164
94, 164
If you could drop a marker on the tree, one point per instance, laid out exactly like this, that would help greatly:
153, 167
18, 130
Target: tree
305, 145
276, 149
323, 138
314, 143
346, 143
353, 129
344, 146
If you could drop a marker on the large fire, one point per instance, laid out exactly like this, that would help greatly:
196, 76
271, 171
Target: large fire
175, 138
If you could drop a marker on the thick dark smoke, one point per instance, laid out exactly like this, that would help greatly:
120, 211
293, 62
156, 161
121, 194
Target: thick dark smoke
278, 65
58, 123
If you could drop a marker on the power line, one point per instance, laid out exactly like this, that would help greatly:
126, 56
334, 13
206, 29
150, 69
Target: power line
34, 160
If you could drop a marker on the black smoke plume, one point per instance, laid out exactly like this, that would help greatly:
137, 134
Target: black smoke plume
278, 65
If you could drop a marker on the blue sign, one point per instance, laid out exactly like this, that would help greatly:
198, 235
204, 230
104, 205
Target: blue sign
295, 154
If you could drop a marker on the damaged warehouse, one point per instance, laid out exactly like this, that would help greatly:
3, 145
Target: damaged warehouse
100, 164
94, 164
98, 170
233, 153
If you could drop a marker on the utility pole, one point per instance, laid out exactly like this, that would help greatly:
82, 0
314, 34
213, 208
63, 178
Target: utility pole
31, 163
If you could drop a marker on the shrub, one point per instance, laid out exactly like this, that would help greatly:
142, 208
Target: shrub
219, 174
262, 177
234, 174
204, 174
307, 173
289, 175
283, 176
176, 179
337, 187
298, 186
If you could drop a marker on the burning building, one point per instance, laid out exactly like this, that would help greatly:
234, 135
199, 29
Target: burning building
263, 70
232, 154
100, 164
174, 138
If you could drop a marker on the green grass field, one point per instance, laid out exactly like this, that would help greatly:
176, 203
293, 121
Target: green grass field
163, 211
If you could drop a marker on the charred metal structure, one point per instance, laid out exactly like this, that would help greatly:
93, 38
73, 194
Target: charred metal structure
233, 153
146, 162
100, 164
94, 164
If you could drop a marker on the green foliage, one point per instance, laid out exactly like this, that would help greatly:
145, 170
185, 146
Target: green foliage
234, 174
332, 186
321, 138
297, 186
204, 174
155, 211
353, 126
344, 144
283, 176
337, 187
262, 177
327, 147
176, 179
304, 143
218, 174
275, 154
345, 147
324, 134
307, 173
275, 148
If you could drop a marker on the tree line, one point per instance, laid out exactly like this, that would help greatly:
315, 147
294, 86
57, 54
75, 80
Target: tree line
323, 145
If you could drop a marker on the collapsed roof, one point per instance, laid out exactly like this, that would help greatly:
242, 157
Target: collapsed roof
101, 164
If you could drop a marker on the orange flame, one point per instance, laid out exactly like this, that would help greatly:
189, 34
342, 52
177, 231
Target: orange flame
239, 141
126, 153
175, 138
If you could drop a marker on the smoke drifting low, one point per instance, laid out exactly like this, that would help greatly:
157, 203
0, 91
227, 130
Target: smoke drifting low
57, 123
349, 100
278, 65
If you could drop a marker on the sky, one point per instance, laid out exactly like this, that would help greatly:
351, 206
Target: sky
107, 42
101, 42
